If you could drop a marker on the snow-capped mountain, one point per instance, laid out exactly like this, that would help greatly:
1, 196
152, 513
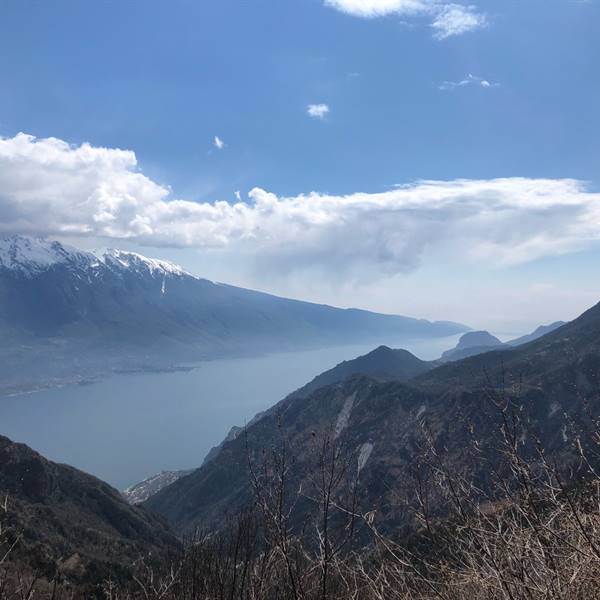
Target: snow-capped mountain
132, 261
31, 256
82, 314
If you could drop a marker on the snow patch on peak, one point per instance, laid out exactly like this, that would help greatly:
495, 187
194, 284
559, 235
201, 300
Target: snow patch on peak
30, 255
137, 262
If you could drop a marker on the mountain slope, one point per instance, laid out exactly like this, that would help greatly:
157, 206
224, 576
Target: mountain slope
382, 363
71, 523
379, 423
66, 314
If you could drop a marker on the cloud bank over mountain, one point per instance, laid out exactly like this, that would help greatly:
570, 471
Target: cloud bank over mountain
48, 187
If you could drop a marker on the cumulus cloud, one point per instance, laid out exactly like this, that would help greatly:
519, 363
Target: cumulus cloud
317, 111
447, 19
469, 80
218, 143
49, 187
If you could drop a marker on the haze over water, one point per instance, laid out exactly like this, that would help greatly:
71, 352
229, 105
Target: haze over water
128, 427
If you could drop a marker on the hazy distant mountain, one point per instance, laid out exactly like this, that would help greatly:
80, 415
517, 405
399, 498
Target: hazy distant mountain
471, 343
538, 333
68, 315
473, 339
478, 342
71, 524
378, 423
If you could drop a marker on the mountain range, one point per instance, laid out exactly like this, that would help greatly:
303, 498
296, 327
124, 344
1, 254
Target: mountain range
68, 316
377, 409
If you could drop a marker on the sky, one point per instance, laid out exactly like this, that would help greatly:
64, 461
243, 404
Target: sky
421, 157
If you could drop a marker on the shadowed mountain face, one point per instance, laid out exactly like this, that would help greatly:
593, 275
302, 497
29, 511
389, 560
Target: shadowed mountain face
71, 523
379, 422
70, 315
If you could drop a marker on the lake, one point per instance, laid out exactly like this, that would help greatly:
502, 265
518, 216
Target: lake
128, 427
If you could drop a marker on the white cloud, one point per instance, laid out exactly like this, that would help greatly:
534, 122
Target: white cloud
48, 187
218, 143
238, 195
447, 19
469, 80
378, 8
456, 19
317, 111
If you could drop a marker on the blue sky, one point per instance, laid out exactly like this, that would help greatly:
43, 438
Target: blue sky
514, 95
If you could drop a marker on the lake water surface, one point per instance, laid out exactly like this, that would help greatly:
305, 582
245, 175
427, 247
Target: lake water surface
128, 427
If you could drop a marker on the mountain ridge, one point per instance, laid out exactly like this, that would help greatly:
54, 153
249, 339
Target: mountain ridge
68, 314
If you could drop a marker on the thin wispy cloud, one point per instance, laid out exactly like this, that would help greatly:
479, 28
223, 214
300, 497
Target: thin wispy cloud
469, 81
456, 19
50, 187
218, 143
447, 19
318, 111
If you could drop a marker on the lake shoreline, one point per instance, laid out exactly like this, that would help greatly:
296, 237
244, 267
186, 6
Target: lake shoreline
183, 366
